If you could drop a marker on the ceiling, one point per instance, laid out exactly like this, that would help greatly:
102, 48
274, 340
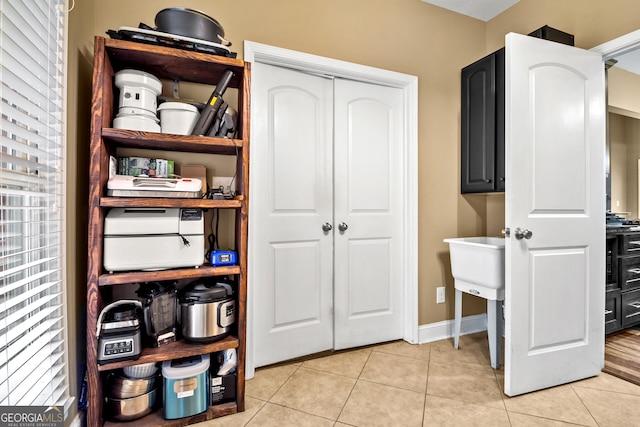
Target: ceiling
629, 61
479, 9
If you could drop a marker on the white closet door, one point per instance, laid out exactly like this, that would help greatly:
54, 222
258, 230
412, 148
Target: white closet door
291, 167
368, 144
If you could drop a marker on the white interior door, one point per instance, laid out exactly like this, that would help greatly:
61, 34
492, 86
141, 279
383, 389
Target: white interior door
368, 213
290, 201
318, 289
555, 144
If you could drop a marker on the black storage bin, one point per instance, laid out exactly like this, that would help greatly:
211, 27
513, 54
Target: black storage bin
554, 35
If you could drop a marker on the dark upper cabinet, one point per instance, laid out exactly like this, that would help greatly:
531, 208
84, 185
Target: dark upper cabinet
482, 118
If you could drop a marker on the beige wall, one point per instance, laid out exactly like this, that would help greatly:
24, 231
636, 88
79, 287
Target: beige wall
632, 137
407, 36
624, 91
592, 22
618, 162
79, 68
624, 146
624, 139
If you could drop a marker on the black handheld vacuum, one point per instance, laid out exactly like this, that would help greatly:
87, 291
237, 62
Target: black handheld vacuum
213, 105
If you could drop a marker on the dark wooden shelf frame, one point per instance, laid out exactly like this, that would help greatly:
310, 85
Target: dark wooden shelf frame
172, 64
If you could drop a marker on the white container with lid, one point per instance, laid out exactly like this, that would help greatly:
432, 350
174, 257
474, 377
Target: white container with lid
186, 386
177, 118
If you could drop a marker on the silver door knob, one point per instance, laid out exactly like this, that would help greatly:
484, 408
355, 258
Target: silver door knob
521, 233
327, 227
342, 226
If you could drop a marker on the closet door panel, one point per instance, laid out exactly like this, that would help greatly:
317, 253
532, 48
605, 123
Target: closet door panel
368, 218
291, 200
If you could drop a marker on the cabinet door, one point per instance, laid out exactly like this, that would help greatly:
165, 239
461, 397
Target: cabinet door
612, 314
612, 263
479, 126
629, 272
630, 308
499, 130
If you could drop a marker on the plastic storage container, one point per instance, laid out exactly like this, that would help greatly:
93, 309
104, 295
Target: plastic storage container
177, 118
186, 386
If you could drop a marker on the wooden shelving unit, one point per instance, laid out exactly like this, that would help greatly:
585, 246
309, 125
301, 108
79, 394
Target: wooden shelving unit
171, 64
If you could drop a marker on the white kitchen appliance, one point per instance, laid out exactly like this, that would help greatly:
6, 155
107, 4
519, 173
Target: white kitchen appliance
138, 100
153, 238
139, 186
118, 331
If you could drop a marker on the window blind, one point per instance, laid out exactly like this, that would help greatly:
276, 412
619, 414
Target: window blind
33, 346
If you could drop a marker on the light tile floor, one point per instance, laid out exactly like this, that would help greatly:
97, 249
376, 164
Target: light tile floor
398, 384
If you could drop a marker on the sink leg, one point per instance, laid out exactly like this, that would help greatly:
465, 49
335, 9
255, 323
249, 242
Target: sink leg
493, 331
457, 319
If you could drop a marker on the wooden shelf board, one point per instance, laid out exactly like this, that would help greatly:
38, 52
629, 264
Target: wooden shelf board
155, 419
146, 202
173, 64
173, 274
174, 350
169, 142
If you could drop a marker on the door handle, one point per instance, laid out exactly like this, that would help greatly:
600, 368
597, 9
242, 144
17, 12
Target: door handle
327, 227
342, 227
521, 233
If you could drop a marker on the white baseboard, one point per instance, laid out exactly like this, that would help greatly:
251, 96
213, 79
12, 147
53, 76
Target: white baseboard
443, 330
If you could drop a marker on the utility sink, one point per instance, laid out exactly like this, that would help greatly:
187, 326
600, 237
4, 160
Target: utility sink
477, 265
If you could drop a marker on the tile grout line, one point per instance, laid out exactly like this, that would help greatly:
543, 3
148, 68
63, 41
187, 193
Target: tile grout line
426, 389
584, 404
626, 393
270, 397
354, 386
289, 407
257, 412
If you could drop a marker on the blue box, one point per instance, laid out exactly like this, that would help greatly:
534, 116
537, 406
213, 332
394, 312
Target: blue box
219, 258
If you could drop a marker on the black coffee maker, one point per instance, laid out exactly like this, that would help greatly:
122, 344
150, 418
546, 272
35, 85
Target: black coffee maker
159, 306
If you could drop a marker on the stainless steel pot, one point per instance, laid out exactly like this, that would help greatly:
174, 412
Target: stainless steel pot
207, 313
190, 23
134, 407
121, 387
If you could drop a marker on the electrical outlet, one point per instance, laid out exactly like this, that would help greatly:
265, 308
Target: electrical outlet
224, 182
440, 295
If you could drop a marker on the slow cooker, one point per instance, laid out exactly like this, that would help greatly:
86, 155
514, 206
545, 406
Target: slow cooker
207, 312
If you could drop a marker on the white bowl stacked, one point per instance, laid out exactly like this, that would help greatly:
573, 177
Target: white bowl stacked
143, 370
